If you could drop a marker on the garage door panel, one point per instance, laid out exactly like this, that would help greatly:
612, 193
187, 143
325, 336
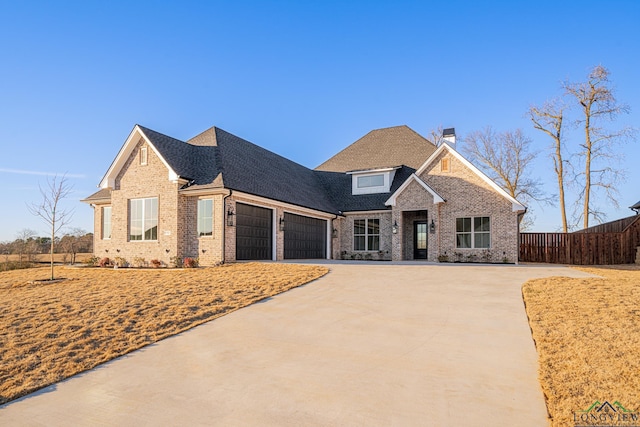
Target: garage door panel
304, 237
253, 232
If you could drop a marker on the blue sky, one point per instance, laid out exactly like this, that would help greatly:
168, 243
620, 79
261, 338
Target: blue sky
303, 79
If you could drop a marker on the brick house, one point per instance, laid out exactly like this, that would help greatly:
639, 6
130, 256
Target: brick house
391, 195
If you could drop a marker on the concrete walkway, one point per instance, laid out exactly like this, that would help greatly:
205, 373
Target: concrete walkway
366, 345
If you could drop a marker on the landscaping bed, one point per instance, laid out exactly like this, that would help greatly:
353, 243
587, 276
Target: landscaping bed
53, 331
587, 334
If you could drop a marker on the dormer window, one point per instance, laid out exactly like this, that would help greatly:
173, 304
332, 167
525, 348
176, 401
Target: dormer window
372, 181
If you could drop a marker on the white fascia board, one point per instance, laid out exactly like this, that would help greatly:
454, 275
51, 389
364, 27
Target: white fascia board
515, 205
379, 211
358, 172
108, 181
251, 199
436, 197
205, 191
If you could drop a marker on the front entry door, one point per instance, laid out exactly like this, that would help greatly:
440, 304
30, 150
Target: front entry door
420, 240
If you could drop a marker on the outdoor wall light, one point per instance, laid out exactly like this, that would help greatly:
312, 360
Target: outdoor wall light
432, 226
394, 228
118, 250
230, 215
334, 233
204, 251
106, 250
167, 250
281, 223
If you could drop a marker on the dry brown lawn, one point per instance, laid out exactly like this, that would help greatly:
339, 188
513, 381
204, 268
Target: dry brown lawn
50, 332
587, 334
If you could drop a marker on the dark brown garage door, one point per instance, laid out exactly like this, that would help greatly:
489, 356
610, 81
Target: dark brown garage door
253, 232
304, 237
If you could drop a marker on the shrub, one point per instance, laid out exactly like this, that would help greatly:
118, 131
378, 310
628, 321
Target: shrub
443, 258
92, 261
155, 263
120, 262
139, 262
176, 261
190, 262
104, 262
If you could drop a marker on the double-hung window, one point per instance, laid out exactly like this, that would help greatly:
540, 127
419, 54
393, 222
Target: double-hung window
106, 222
473, 232
143, 219
205, 217
366, 235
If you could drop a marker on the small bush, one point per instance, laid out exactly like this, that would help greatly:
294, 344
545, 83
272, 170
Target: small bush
120, 262
104, 262
92, 262
176, 261
191, 262
155, 263
139, 262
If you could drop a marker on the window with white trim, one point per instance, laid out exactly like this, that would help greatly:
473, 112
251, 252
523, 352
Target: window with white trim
106, 222
143, 219
143, 156
473, 232
370, 181
366, 235
205, 217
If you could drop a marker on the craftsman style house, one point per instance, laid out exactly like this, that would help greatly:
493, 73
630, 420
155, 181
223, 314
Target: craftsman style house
391, 195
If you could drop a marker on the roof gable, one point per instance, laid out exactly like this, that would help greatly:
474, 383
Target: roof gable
436, 197
108, 181
515, 205
387, 147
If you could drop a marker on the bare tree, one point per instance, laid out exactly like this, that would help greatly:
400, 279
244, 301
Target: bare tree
596, 99
435, 136
48, 208
25, 243
506, 158
548, 119
72, 242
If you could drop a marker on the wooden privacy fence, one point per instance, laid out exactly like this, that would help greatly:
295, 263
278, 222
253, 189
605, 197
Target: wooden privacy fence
586, 247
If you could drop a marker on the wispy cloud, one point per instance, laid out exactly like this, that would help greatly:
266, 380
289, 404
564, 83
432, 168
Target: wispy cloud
26, 172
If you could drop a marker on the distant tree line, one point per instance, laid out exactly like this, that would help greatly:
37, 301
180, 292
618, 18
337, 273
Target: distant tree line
28, 244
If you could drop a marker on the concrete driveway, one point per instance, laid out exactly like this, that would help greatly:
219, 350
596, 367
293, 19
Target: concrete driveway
369, 344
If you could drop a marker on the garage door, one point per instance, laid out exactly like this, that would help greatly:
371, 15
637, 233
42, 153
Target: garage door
253, 232
304, 237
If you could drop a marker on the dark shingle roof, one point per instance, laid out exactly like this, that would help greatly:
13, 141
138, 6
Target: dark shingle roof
252, 169
636, 206
398, 145
338, 185
191, 162
217, 158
